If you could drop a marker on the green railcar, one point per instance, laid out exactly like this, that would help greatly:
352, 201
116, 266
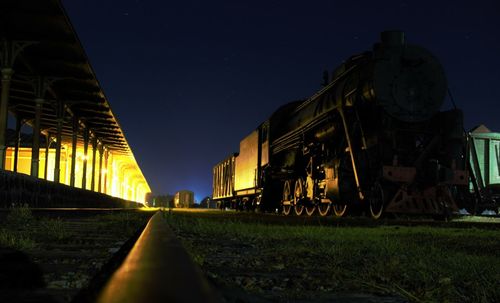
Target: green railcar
484, 158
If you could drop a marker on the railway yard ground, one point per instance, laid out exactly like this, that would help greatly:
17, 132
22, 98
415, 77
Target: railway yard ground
252, 258
53, 255
67, 255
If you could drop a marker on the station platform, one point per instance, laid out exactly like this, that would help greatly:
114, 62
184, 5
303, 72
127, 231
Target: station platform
158, 269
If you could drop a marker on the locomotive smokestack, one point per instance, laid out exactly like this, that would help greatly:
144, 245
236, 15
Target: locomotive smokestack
392, 38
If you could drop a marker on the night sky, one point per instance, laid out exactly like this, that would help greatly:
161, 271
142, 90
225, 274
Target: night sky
187, 80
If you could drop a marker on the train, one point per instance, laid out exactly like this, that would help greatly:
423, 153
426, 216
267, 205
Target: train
484, 167
373, 140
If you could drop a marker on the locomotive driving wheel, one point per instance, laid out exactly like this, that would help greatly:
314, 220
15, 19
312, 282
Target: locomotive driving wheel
310, 208
287, 201
339, 209
376, 200
324, 208
309, 201
298, 197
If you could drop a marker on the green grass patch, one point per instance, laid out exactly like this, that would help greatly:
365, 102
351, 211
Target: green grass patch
19, 216
53, 229
127, 223
13, 233
482, 219
16, 240
23, 231
422, 264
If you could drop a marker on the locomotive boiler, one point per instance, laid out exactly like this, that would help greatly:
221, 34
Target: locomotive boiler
372, 140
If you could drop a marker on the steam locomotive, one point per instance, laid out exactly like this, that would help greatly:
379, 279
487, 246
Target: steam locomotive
372, 140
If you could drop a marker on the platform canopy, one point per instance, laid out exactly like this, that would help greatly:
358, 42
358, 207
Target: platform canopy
50, 67
52, 50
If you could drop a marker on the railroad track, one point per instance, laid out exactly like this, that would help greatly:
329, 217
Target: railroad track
271, 219
53, 254
71, 255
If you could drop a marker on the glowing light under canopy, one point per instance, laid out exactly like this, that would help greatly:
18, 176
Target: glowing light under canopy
120, 175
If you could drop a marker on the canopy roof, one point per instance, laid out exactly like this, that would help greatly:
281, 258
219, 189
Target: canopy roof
53, 51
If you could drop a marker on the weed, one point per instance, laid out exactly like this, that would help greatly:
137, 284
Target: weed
53, 229
420, 263
129, 223
16, 240
19, 216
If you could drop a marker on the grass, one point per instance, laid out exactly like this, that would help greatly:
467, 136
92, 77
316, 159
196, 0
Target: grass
23, 231
53, 229
16, 240
123, 222
19, 216
13, 233
482, 219
422, 264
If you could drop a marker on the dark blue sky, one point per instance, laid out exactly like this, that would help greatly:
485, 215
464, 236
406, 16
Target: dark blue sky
188, 79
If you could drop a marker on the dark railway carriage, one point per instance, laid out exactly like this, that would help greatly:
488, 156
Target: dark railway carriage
373, 139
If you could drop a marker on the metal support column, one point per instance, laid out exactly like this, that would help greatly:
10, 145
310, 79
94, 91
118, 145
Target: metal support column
35, 149
57, 166
48, 139
19, 123
4, 106
101, 150
41, 85
74, 142
94, 150
9, 50
60, 122
85, 150
106, 158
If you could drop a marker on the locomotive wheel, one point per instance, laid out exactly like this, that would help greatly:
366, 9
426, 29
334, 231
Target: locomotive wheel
310, 209
298, 195
299, 209
287, 198
324, 208
339, 209
376, 201
287, 209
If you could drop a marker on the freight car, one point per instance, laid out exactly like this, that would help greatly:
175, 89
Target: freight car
484, 160
372, 140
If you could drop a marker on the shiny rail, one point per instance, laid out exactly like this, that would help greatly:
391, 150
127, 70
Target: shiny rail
158, 269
